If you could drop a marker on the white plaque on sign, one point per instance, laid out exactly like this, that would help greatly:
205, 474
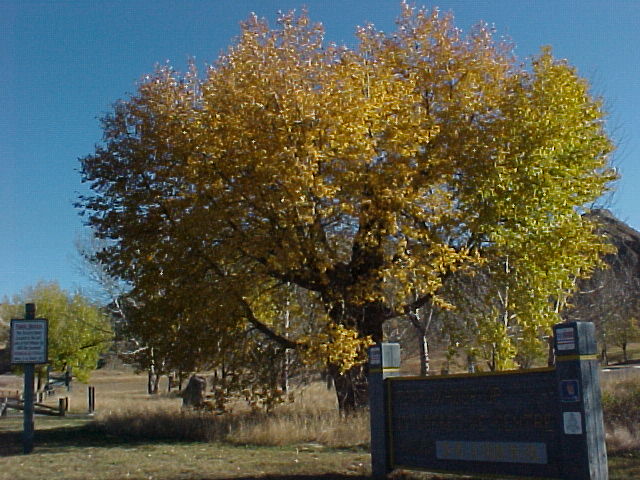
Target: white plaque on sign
29, 342
572, 423
507, 452
375, 356
565, 339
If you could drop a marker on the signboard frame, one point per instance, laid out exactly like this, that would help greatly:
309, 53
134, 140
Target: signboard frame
36, 347
542, 423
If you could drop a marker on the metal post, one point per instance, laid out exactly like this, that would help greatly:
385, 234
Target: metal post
29, 371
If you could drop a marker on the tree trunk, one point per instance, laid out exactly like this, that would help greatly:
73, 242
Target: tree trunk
152, 382
421, 325
551, 352
471, 363
424, 354
329, 381
286, 366
287, 351
351, 388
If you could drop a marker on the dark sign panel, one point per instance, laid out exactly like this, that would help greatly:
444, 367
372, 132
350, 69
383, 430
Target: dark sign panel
493, 423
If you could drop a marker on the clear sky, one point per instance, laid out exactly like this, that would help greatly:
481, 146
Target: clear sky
63, 63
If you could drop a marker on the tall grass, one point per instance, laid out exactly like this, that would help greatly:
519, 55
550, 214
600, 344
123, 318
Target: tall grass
621, 408
313, 418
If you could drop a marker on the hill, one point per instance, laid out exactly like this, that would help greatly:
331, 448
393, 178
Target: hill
610, 298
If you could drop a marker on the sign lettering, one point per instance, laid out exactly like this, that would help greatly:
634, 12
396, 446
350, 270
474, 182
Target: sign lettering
29, 341
565, 339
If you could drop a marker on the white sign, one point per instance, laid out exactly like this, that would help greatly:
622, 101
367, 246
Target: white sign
29, 342
375, 356
572, 423
508, 452
566, 339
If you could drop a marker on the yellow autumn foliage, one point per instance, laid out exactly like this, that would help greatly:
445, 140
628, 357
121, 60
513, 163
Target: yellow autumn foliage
365, 176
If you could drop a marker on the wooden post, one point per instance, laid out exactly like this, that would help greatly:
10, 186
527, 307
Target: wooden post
384, 361
92, 399
578, 375
29, 371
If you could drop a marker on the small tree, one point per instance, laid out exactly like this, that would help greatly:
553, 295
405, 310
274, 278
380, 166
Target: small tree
624, 332
79, 331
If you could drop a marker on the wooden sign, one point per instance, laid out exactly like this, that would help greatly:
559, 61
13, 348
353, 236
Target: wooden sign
543, 423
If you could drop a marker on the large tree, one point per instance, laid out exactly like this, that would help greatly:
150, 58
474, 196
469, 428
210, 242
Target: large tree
365, 176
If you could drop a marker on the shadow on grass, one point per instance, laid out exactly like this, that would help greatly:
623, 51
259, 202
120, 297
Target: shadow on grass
328, 476
62, 438
332, 476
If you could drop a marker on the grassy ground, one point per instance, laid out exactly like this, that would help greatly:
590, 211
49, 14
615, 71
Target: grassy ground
73, 450
80, 452
133, 436
124, 439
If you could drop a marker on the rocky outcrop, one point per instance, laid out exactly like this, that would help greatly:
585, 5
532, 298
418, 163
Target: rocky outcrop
624, 238
612, 290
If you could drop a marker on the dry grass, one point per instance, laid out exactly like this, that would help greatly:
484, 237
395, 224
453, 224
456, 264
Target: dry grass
123, 408
285, 428
312, 419
621, 405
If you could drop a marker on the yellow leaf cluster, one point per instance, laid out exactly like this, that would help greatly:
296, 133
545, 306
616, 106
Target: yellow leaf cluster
338, 345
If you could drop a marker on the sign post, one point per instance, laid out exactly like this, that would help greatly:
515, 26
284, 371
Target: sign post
578, 376
384, 362
29, 346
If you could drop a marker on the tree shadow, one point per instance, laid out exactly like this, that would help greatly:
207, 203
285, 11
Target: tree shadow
327, 476
63, 438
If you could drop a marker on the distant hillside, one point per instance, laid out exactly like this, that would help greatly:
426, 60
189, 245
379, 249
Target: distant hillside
615, 290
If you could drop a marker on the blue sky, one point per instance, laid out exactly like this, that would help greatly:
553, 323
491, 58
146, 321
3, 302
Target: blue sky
63, 63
